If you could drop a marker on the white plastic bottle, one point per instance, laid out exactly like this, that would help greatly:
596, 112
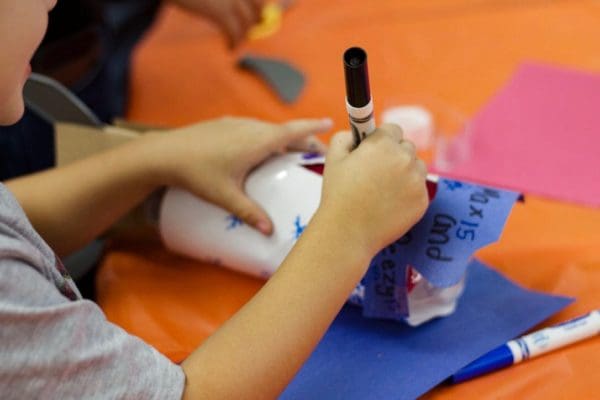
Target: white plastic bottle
290, 194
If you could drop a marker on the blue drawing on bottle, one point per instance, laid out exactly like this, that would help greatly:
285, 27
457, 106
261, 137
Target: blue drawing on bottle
233, 221
310, 156
265, 274
452, 185
299, 227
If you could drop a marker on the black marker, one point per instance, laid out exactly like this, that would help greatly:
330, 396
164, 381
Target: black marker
359, 103
358, 94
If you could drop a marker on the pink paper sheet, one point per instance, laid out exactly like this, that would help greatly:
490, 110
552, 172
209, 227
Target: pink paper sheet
540, 134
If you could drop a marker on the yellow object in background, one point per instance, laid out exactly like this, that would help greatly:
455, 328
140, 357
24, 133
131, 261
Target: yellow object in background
270, 22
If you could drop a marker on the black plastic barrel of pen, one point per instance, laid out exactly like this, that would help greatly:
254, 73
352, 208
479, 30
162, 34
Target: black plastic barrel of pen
358, 94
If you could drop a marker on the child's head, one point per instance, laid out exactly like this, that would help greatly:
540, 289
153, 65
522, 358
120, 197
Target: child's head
22, 27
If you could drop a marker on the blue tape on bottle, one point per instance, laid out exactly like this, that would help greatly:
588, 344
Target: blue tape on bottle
461, 219
385, 288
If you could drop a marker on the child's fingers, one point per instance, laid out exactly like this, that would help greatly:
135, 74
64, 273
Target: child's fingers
391, 131
255, 10
232, 29
310, 145
340, 146
245, 14
238, 203
258, 4
422, 168
300, 128
409, 147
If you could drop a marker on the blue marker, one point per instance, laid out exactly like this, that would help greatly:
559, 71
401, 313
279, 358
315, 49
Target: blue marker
532, 345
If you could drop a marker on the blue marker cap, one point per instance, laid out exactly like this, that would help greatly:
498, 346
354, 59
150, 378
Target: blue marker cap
496, 359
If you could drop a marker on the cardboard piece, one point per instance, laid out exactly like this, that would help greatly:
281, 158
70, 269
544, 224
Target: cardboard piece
75, 142
361, 358
540, 134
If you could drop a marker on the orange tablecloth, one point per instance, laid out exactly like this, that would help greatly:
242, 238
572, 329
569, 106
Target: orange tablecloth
450, 53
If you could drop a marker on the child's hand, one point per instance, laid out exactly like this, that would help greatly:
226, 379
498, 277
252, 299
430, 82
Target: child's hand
377, 192
212, 159
233, 17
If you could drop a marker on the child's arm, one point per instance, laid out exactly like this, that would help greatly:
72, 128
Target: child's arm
70, 206
370, 197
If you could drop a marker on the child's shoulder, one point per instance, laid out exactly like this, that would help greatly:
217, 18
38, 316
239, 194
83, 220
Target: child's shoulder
18, 239
14, 225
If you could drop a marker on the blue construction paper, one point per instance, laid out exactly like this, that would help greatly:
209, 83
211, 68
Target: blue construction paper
461, 218
362, 358
385, 289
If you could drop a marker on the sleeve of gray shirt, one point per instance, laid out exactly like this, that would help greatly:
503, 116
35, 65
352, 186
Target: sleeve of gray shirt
53, 348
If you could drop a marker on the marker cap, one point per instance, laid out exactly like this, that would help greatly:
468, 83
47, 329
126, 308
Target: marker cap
358, 92
496, 359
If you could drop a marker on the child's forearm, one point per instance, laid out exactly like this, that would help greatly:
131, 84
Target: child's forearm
70, 206
258, 351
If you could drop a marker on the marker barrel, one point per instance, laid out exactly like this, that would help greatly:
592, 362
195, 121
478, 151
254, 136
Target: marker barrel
557, 336
500, 357
532, 345
362, 121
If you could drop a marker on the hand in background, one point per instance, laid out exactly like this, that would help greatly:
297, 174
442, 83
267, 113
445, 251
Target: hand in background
233, 17
212, 159
378, 190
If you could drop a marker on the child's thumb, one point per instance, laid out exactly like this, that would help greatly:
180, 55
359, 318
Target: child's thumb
339, 146
246, 209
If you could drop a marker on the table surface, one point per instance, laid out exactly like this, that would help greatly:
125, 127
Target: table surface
451, 54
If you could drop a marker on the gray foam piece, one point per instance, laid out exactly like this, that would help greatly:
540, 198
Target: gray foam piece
286, 80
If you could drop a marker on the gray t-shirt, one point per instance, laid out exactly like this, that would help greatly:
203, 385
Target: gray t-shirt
54, 344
